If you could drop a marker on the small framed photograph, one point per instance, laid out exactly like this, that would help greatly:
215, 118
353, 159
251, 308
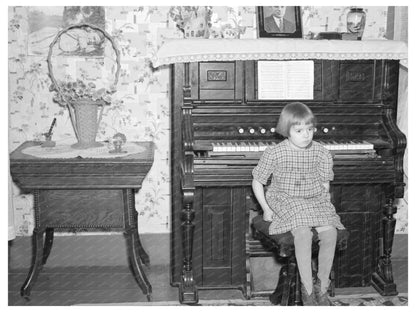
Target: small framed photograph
279, 21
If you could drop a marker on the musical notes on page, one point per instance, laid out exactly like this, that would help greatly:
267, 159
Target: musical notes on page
285, 80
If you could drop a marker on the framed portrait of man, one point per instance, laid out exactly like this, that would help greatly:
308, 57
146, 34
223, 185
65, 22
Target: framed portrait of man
279, 21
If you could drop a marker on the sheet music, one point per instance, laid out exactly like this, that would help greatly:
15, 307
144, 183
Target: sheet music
285, 80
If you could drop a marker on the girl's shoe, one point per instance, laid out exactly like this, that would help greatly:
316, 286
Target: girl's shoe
320, 296
308, 300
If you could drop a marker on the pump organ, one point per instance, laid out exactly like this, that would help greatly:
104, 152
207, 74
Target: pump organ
219, 130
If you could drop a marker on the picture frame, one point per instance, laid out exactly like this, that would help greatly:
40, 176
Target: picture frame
288, 17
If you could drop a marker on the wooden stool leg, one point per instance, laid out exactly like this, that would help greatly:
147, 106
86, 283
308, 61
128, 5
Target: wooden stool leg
298, 295
332, 283
291, 275
276, 297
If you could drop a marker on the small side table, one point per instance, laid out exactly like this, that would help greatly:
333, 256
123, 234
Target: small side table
94, 194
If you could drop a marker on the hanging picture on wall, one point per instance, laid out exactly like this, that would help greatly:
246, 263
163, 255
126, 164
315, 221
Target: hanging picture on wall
44, 22
279, 21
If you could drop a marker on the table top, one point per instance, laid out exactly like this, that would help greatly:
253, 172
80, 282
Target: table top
30, 172
145, 151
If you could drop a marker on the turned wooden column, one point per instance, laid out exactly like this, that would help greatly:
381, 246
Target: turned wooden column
382, 279
188, 292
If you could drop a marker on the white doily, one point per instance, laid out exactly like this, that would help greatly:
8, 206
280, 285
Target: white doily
66, 151
201, 50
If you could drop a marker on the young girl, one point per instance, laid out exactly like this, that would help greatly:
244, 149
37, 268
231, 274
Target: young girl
298, 198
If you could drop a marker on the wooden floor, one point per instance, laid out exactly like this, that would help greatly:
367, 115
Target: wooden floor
88, 285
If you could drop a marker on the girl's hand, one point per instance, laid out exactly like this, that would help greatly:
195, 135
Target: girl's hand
267, 215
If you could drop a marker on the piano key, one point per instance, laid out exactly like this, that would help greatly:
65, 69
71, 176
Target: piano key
262, 147
243, 147
229, 147
350, 145
337, 145
222, 147
251, 147
355, 144
368, 145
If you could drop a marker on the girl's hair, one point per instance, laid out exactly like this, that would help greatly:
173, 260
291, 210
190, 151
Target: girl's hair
295, 113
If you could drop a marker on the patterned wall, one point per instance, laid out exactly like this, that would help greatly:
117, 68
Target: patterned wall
140, 107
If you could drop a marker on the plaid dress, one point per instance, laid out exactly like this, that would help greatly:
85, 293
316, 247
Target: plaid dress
296, 193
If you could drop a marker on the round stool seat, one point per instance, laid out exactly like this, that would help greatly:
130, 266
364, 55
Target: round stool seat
285, 241
287, 291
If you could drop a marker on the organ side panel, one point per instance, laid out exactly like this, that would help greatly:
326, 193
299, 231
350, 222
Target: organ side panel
359, 208
220, 237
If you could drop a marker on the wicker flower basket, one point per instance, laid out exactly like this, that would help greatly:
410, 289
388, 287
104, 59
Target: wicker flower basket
85, 112
86, 123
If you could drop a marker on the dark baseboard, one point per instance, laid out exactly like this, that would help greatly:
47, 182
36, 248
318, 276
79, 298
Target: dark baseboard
111, 250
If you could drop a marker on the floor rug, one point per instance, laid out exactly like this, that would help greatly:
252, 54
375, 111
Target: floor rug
345, 300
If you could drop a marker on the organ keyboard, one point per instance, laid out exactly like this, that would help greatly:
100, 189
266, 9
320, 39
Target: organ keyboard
338, 148
220, 129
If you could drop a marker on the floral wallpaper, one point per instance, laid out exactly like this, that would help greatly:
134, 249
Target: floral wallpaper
140, 107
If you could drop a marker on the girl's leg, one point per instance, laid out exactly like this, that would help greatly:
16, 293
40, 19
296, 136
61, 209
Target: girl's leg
327, 243
303, 251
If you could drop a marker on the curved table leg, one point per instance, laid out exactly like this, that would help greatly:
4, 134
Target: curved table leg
132, 238
48, 244
36, 263
142, 253
137, 255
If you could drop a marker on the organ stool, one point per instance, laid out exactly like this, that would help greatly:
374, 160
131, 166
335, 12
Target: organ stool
287, 291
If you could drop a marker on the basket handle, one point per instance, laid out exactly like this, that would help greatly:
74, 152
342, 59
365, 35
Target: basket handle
82, 25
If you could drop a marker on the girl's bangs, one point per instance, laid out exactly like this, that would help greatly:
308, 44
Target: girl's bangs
298, 120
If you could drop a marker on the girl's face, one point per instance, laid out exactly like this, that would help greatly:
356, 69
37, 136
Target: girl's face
301, 135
